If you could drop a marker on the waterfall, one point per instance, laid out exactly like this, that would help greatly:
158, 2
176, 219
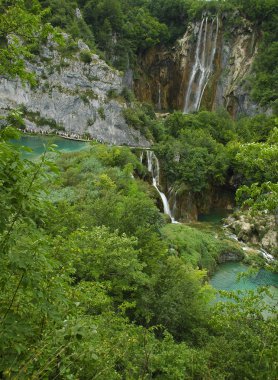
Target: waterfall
267, 256
153, 168
159, 97
203, 64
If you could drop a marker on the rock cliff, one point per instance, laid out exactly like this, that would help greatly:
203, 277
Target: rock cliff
207, 68
259, 229
72, 97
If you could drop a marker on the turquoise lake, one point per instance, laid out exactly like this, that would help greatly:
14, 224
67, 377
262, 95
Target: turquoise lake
39, 143
226, 278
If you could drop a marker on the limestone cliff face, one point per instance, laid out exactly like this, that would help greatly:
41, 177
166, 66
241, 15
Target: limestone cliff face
207, 68
72, 97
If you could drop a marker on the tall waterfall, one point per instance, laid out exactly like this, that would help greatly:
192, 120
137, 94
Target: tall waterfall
159, 97
153, 168
203, 63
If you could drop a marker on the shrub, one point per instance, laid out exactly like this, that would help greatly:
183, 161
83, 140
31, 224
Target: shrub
85, 56
101, 113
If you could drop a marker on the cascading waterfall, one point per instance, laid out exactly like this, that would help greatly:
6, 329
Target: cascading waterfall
267, 256
159, 97
203, 64
153, 168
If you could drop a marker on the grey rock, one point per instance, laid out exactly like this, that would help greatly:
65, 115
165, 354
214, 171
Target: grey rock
75, 96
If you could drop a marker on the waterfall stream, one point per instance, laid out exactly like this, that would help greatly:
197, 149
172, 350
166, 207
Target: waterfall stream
267, 256
159, 97
153, 168
203, 64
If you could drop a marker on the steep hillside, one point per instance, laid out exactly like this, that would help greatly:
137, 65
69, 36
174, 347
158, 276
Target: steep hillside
184, 54
76, 95
207, 68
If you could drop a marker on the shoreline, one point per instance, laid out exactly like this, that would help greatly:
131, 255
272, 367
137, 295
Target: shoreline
32, 133
43, 133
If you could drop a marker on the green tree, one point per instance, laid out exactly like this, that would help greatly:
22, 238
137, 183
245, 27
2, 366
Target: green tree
20, 28
245, 340
257, 162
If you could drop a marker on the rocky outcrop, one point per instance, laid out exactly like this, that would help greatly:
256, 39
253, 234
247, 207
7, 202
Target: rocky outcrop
79, 97
168, 76
260, 229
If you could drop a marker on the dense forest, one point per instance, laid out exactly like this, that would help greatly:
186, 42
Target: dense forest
95, 281
120, 30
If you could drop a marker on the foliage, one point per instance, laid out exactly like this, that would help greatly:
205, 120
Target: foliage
101, 113
195, 157
90, 287
207, 149
91, 284
141, 116
257, 162
255, 129
20, 28
243, 323
144, 30
121, 29
258, 197
198, 248
86, 56
62, 14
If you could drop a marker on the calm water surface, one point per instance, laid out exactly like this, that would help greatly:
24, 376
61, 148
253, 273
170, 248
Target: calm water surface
226, 278
38, 144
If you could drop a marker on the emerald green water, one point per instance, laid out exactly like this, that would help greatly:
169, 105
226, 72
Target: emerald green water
226, 278
39, 143
216, 216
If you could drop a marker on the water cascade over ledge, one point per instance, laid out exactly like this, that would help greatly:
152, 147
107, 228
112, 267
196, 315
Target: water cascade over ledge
203, 63
153, 168
262, 252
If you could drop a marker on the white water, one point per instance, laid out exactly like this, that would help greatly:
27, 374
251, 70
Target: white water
203, 64
153, 168
159, 97
267, 256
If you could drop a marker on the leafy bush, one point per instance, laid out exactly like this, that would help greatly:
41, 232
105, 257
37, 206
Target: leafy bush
86, 56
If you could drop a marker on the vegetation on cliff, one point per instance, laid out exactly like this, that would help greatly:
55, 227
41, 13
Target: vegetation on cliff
121, 30
91, 285
210, 148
